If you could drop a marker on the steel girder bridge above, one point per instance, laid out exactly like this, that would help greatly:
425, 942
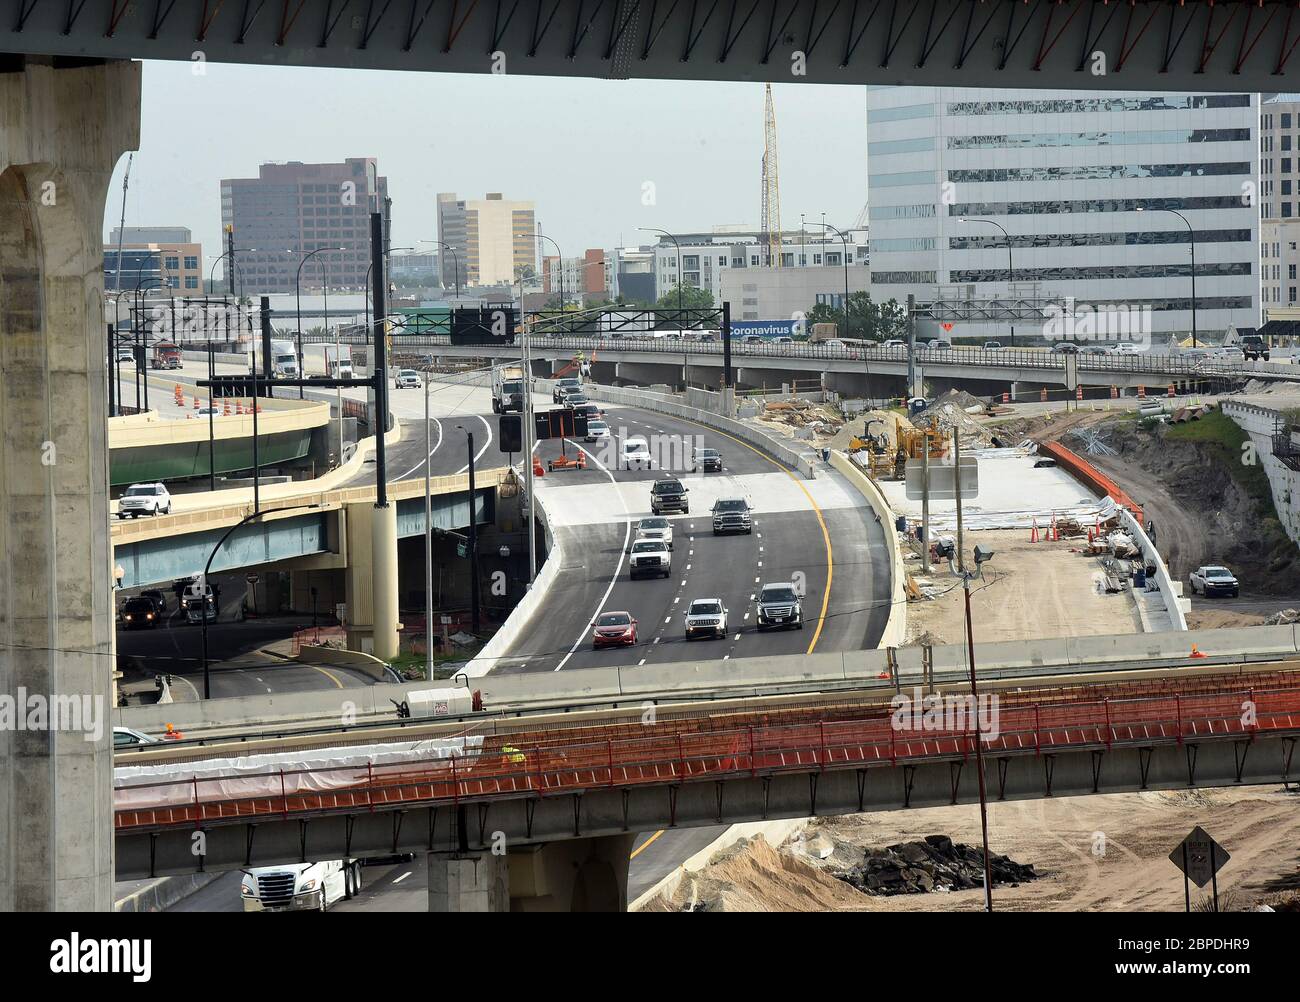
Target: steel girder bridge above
1239, 45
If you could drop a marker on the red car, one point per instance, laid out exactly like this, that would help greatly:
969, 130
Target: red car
614, 629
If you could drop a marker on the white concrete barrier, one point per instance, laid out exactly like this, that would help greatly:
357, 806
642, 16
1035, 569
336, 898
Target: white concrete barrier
896, 627
1175, 604
529, 606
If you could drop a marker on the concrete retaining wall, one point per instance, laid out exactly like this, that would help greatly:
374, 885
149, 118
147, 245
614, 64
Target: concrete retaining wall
896, 627
1258, 423
522, 614
355, 660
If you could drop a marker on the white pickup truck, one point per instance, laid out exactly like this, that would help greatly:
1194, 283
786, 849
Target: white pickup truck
297, 887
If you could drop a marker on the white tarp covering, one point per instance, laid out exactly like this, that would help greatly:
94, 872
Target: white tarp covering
272, 775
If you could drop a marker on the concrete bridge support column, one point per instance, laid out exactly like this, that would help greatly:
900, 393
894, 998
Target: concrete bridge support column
371, 579
468, 882
61, 133
576, 875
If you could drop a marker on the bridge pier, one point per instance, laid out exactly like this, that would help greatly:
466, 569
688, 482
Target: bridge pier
61, 133
574, 875
370, 581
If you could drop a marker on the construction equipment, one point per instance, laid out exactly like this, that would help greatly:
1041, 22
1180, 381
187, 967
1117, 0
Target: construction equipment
770, 218
575, 462
912, 442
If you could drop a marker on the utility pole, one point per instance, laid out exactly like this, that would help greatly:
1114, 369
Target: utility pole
925, 503
956, 481
428, 537
529, 431
473, 538
979, 743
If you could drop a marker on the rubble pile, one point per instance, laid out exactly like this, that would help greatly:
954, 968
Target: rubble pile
812, 419
937, 863
1284, 618
954, 410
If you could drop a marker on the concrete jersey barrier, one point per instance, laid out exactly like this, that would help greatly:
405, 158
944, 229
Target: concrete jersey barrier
896, 626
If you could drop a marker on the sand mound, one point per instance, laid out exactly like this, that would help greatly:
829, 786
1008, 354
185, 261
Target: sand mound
752, 876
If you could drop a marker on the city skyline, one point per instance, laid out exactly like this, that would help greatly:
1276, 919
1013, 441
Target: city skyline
703, 164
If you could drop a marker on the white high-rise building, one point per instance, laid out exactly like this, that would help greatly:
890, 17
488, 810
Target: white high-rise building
1064, 173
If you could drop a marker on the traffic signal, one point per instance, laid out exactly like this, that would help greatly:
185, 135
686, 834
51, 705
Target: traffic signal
510, 433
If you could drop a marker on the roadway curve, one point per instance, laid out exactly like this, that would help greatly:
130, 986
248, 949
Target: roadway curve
814, 528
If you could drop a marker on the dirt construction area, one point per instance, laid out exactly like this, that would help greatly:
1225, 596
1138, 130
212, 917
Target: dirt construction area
1099, 853
1029, 590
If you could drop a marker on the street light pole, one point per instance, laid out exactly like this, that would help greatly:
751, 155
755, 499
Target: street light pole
845, 241
203, 583
655, 229
1010, 272
1191, 234
297, 291
560, 253
473, 528
455, 261
428, 537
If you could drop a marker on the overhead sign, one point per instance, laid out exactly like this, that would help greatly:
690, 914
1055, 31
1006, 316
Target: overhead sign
486, 325
764, 328
943, 485
1199, 857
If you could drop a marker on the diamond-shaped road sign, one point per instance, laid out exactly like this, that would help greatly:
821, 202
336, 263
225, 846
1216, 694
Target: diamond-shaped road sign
1204, 857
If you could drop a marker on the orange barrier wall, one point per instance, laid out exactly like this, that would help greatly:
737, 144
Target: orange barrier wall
1090, 475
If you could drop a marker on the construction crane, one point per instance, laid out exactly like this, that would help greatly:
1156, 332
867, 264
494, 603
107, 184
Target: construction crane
771, 216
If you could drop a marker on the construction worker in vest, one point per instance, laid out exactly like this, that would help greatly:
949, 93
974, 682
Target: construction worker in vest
510, 755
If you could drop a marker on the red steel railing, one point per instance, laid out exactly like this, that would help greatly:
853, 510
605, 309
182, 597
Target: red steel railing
679, 751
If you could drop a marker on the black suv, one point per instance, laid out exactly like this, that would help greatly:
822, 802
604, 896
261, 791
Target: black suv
668, 495
139, 613
1254, 347
731, 515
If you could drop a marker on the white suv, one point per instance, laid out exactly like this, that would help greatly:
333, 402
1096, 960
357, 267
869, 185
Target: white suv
655, 528
408, 379
144, 499
636, 452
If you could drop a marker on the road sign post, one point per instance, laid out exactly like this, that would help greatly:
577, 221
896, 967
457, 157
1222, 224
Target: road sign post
1200, 858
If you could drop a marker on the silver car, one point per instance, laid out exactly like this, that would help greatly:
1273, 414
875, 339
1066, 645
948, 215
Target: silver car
706, 617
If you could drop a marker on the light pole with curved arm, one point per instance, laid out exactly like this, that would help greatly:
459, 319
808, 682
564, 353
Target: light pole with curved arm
1009, 270
203, 582
542, 236
454, 257
1191, 235
845, 241
297, 291
142, 376
655, 229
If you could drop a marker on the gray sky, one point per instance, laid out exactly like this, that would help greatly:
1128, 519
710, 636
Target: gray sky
581, 149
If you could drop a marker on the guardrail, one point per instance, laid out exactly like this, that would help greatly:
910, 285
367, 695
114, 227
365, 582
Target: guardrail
691, 750
1014, 358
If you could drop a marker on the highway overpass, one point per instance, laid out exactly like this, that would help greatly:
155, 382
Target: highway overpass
71, 111
585, 784
872, 371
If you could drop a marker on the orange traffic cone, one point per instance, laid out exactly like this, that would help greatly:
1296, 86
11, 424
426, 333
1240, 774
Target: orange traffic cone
225, 408
1033, 531
1195, 653
196, 403
537, 468
885, 675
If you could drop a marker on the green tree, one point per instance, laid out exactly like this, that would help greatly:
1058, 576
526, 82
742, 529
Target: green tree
692, 298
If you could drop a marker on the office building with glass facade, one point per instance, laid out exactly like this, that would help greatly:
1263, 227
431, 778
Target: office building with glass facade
1090, 190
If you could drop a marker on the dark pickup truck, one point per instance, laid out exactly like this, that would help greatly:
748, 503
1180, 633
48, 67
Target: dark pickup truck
668, 495
1254, 347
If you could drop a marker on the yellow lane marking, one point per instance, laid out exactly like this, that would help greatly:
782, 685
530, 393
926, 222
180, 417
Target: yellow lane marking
333, 678
826, 536
830, 563
639, 849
